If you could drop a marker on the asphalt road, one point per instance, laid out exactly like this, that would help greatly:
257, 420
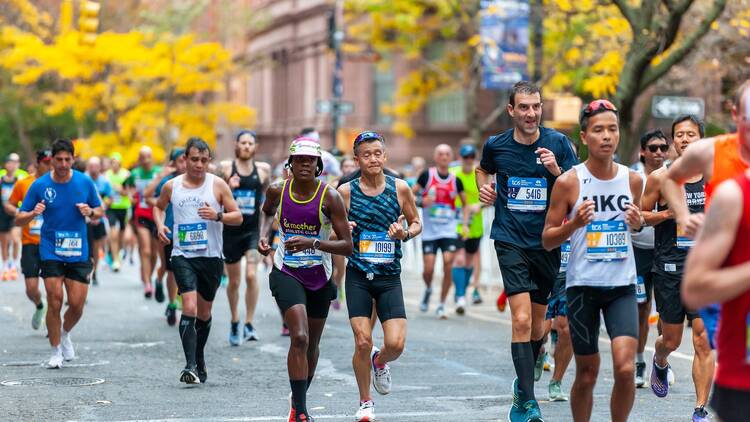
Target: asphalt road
454, 370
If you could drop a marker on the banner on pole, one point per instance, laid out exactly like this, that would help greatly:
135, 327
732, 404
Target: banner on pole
504, 31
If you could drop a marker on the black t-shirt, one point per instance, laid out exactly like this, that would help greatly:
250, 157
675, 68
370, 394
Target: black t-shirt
356, 174
425, 176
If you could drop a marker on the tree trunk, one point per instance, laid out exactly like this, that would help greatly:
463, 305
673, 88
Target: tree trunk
471, 102
23, 137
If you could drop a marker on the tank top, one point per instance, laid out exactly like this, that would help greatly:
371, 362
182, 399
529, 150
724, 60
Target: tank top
601, 254
311, 267
733, 338
727, 162
375, 252
440, 219
194, 237
671, 246
248, 196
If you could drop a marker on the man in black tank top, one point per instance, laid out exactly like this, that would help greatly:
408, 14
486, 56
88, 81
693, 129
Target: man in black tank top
671, 246
248, 180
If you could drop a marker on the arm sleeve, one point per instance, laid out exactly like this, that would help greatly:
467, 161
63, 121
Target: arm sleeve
488, 161
459, 185
30, 201
422, 180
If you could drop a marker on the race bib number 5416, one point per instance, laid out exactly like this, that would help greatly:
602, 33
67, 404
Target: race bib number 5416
527, 194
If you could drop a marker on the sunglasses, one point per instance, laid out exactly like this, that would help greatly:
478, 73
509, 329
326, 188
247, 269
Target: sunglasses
367, 136
662, 148
597, 105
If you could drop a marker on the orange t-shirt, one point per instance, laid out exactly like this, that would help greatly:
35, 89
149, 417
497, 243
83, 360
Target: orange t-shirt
16, 197
728, 163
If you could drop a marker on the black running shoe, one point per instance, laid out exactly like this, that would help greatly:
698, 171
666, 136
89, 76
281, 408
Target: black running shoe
159, 293
171, 314
202, 373
189, 376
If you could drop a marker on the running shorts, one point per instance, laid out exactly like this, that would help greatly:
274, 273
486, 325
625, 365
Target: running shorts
668, 300
237, 244
585, 304
471, 246
31, 262
558, 303
78, 271
201, 274
431, 247
118, 218
644, 262
148, 224
528, 270
289, 292
6, 222
385, 290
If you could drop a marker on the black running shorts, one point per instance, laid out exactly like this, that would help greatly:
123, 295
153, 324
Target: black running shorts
528, 270
620, 309
644, 262
384, 289
198, 274
558, 302
431, 247
237, 244
729, 404
168, 256
471, 246
6, 222
117, 218
668, 301
289, 292
148, 224
31, 263
78, 271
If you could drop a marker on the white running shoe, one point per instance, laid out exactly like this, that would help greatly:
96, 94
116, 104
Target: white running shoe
38, 318
440, 312
67, 348
381, 379
670, 376
56, 361
461, 305
366, 412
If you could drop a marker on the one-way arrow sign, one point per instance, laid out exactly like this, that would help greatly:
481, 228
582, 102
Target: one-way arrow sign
663, 107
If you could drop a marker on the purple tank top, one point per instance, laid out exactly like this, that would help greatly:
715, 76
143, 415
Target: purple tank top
303, 218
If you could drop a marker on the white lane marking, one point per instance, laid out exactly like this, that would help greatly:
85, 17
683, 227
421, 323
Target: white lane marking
393, 416
138, 345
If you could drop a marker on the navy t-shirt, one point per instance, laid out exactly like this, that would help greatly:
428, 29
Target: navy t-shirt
519, 219
63, 235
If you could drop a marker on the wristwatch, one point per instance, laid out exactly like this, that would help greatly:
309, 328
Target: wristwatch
219, 216
91, 214
316, 244
408, 236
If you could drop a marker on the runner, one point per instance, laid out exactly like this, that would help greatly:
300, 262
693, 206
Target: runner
197, 199
248, 180
671, 249
177, 165
526, 160
378, 207
467, 259
557, 319
597, 199
30, 261
118, 210
145, 228
97, 228
654, 147
65, 198
10, 175
348, 166
300, 278
439, 190
717, 271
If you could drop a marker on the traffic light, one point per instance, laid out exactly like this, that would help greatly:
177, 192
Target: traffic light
88, 22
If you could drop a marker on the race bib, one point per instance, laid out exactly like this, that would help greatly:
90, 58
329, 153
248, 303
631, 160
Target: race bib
245, 201
640, 290
68, 244
682, 241
442, 214
303, 259
140, 187
6, 191
527, 194
377, 248
193, 237
606, 240
564, 256
35, 226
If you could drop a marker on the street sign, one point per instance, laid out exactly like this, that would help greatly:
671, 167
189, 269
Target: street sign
326, 107
668, 107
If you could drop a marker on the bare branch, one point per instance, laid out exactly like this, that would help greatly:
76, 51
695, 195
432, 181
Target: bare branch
627, 12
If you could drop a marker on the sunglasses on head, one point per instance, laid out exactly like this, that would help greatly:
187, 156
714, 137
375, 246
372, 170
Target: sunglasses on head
597, 105
662, 148
368, 136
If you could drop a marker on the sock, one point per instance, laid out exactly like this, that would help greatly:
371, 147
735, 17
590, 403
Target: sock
662, 371
524, 363
458, 281
235, 326
172, 304
375, 359
299, 392
64, 333
189, 339
536, 347
202, 328
309, 381
639, 357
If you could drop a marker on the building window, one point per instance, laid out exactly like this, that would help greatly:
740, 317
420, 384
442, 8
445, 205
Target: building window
384, 86
447, 108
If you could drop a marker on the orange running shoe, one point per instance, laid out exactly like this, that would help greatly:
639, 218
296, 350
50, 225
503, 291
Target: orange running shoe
502, 301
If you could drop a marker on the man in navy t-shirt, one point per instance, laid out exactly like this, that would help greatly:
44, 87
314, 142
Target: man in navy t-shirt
525, 161
65, 198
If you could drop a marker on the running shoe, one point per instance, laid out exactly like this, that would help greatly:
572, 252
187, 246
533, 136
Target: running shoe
670, 376
555, 391
440, 312
6, 275
202, 372
700, 414
38, 318
66, 346
548, 364
501, 302
461, 305
148, 291
189, 376
335, 304
234, 334
116, 266
303, 417
476, 298
640, 369
291, 417
366, 412
224, 281
171, 314
659, 382
159, 292
284, 330
249, 333
539, 366
425, 305
108, 259
14, 273
533, 413
381, 380
56, 361
516, 413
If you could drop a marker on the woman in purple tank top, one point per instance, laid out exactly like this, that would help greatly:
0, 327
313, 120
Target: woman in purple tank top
306, 211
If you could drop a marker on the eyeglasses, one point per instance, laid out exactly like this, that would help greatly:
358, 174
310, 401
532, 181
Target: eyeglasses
367, 136
662, 148
597, 105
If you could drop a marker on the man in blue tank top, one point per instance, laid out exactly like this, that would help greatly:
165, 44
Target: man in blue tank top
378, 205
